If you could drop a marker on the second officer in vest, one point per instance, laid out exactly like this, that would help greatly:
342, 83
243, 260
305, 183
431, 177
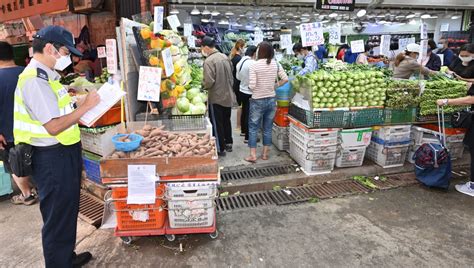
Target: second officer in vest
46, 119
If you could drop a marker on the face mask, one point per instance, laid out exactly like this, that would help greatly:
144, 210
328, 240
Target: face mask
465, 59
62, 62
242, 51
300, 56
440, 46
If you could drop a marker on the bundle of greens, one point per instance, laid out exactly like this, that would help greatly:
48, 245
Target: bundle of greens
441, 87
402, 94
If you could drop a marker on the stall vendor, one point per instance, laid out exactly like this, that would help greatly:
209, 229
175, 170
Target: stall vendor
310, 63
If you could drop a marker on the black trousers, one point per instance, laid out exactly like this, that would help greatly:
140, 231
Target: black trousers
57, 173
222, 128
471, 151
244, 118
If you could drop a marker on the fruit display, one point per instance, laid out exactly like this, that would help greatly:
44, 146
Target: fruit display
441, 87
103, 78
338, 89
158, 142
403, 94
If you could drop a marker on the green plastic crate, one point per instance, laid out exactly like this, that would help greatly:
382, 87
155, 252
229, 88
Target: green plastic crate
367, 117
399, 116
5, 181
321, 119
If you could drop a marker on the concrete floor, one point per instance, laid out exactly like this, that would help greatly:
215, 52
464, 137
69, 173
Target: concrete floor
405, 227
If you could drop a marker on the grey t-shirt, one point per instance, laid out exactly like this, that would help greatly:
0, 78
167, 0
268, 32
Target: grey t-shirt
40, 100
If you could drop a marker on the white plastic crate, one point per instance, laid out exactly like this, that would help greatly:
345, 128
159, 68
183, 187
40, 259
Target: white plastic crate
99, 143
350, 156
393, 133
191, 191
189, 214
324, 147
280, 137
313, 137
312, 163
354, 137
387, 156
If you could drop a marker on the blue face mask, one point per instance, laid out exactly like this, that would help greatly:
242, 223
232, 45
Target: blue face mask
440, 45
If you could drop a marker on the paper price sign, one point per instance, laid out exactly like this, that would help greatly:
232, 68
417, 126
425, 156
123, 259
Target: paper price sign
424, 31
334, 35
285, 41
385, 45
311, 34
173, 21
111, 54
168, 62
149, 83
158, 20
101, 52
258, 37
188, 29
423, 48
191, 41
357, 46
402, 43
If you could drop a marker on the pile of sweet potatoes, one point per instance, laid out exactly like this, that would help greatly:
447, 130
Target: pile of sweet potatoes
158, 142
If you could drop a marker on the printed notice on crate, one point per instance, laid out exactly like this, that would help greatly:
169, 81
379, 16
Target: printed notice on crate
149, 83
141, 184
158, 19
101, 52
111, 51
311, 34
168, 62
109, 96
357, 46
188, 29
173, 21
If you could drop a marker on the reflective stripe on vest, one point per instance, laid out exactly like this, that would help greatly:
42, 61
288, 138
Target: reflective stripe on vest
25, 128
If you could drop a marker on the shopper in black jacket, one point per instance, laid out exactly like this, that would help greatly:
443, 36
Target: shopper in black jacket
434, 61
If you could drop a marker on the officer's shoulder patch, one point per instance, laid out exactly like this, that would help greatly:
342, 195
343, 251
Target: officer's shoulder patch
40, 73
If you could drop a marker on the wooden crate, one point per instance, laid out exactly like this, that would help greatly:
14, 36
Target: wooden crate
165, 166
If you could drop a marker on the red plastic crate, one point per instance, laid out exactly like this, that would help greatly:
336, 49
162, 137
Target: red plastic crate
281, 117
449, 130
156, 212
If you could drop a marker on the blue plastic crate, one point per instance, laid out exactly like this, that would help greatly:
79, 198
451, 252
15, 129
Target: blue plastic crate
5, 181
92, 167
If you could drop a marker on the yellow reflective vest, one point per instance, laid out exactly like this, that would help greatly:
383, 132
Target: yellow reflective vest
25, 128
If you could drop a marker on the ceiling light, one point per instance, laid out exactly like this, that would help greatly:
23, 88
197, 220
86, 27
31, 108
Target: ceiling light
410, 15
400, 16
412, 22
455, 16
290, 14
425, 16
195, 11
333, 15
215, 13
305, 14
380, 15
229, 13
204, 20
174, 11
361, 13
434, 16
205, 11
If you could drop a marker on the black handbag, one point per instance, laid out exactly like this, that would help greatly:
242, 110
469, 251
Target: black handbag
20, 159
461, 119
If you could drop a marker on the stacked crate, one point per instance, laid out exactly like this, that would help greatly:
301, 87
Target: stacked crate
389, 146
313, 149
352, 146
281, 137
421, 135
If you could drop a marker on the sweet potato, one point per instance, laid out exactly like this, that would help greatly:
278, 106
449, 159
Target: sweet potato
143, 133
147, 128
121, 154
122, 139
188, 154
155, 132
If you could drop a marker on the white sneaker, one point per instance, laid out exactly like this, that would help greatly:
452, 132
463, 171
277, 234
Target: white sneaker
467, 188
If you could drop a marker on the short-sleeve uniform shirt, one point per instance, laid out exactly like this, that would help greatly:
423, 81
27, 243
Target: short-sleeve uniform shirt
40, 100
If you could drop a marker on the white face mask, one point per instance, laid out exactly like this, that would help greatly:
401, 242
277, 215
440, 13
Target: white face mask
440, 46
62, 62
300, 56
465, 59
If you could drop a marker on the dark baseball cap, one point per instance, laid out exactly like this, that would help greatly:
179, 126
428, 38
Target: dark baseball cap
208, 41
57, 34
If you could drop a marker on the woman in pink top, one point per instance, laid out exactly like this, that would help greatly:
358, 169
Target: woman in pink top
264, 76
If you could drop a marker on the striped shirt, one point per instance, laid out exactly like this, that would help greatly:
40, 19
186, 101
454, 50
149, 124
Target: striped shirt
263, 78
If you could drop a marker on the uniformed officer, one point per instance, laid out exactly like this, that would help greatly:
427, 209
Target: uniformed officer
46, 119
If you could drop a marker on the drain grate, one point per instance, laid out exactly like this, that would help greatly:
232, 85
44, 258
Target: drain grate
292, 195
338, 188
231, 174
91, 209
244, 200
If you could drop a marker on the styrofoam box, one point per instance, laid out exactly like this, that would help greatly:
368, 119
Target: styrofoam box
313, 163
456, 149
324, 147
101, 143
191, 191
387, 156
350, 156
419, 133
393, 133
355, 137
280, 137
188, 214
314, 137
